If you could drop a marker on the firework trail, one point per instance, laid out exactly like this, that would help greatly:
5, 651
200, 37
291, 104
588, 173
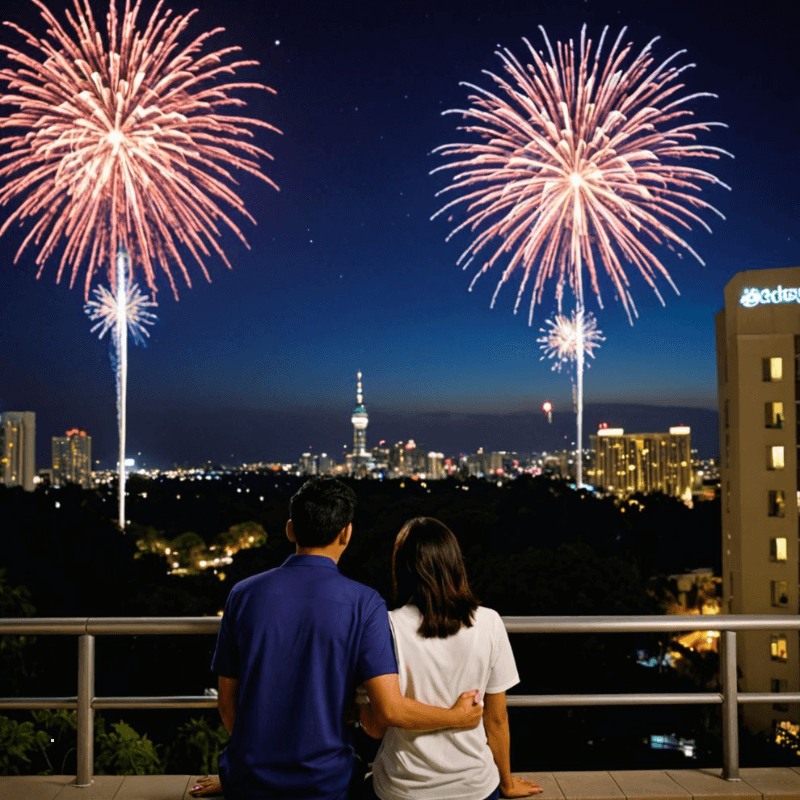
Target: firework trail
127, 140
578, 161
126, 314
567, 340
560, 340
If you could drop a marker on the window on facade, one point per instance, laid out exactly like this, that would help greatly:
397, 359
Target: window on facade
776, 503
775, 457
777, 647
772, 369
773, 415
777, 549
779, 685
780, 593
727, 414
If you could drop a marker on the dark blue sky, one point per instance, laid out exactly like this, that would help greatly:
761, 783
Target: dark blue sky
347, 271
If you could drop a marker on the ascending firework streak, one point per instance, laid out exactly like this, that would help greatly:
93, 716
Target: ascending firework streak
568, 339
125, 312
579, 159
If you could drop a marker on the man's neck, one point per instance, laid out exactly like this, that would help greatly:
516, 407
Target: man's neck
334, 553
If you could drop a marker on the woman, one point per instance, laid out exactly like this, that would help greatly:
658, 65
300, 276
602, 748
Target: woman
444, 640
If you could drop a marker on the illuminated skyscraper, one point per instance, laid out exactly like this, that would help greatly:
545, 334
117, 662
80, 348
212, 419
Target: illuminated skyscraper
360, 420
18, 448
626, 463
758, 379
72, 459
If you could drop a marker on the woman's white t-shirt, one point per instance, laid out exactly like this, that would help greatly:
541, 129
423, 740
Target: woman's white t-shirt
444, 764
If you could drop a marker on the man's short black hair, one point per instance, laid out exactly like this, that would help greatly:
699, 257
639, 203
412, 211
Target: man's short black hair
320, 510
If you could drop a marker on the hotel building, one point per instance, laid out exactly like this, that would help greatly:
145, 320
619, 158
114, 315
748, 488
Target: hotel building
18, 448
72, 459
758, 341
627, 463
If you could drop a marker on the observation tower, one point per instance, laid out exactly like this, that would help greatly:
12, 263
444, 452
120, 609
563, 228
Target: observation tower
360, 420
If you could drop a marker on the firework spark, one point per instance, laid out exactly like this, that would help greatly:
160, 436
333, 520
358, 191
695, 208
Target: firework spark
580, 162
560, 340
105, 311
125, 141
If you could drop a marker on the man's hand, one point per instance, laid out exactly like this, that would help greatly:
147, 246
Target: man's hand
468, 710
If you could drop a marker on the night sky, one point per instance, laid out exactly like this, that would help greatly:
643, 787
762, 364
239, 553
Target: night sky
347, 271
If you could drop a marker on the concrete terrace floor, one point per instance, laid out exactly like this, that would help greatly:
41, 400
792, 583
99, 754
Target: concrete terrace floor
767, 782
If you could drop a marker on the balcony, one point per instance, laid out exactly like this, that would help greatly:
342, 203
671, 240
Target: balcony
755, 784
725, 782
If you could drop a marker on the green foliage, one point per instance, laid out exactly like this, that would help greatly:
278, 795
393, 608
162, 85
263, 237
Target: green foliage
197, 747
124, 751
15, 601
17, 741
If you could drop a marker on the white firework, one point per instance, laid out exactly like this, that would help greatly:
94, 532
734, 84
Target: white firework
560, 342
104, 311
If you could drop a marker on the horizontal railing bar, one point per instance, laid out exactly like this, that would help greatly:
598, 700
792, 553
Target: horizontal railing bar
38, 703
769, 697
99, 626
206, 625
50, 626
670, 622
527, 700
154, 702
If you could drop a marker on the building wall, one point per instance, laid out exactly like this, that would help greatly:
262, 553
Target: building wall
18, 448
626, 463
759, 577
72, 459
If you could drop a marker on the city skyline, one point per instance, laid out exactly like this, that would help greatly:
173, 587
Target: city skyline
347, 271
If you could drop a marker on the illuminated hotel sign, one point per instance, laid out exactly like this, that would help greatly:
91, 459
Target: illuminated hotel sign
764, 297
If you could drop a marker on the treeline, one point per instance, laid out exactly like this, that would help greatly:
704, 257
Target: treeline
532, 546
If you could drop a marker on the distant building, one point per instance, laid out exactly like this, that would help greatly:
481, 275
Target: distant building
758, 360
72, 459
18, 448
435, 467
481, 464
626, 463
308, 464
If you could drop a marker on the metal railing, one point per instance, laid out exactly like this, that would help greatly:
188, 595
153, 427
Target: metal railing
85, 702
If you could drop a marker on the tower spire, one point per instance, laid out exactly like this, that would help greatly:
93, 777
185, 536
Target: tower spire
360, 420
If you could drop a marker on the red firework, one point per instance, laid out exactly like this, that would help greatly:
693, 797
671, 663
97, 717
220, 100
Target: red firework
127, 140
579, 158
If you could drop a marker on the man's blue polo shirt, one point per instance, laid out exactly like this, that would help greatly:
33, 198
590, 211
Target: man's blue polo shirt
299, 639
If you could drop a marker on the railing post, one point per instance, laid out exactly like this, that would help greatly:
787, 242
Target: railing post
85, 771
730, 708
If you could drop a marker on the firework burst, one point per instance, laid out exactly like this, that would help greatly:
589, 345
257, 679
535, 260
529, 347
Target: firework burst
126, 140
561, 336
105, 312
579, 162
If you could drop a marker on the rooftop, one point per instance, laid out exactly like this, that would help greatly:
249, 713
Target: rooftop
756, 783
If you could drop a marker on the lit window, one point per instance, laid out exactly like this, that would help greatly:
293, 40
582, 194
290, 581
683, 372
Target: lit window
775, 459
777, 549
772, 369
773, 415
777, 648
776, 503
780, 593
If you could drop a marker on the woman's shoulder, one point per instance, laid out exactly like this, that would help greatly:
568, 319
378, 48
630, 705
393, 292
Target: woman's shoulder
487, 617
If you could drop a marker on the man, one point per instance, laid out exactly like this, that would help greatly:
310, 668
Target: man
293, 644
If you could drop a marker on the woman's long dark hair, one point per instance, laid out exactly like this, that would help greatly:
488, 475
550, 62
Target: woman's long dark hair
428, 571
